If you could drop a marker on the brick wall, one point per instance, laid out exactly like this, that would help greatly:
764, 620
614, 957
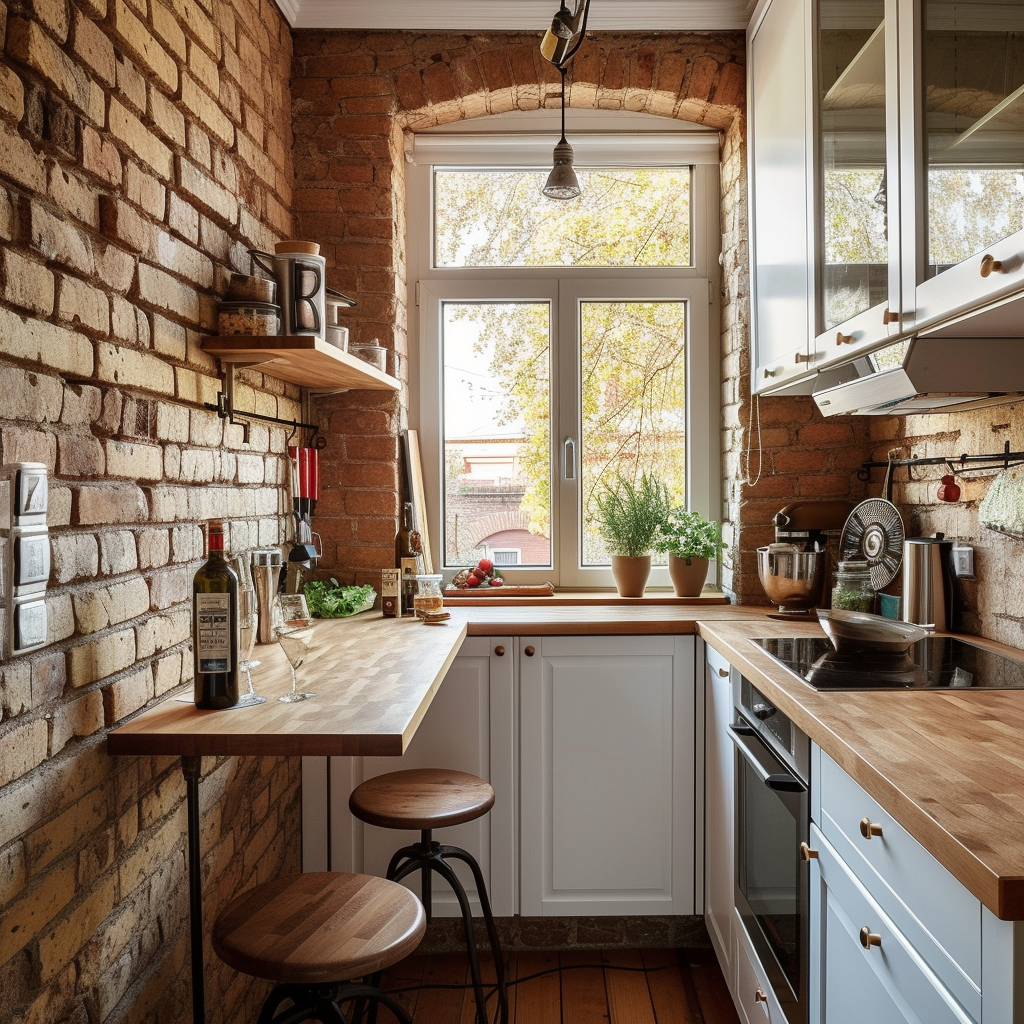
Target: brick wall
143, 148
353, 95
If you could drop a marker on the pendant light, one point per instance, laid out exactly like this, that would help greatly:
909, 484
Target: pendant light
562, 182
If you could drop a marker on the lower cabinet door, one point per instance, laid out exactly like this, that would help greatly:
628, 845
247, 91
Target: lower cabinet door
607, 775
752, 991
469, 727
868, 969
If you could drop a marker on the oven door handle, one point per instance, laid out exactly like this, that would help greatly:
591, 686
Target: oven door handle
780, 782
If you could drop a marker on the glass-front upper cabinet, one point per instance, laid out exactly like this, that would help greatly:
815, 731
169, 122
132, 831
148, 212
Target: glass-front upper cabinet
857, 137
969, 99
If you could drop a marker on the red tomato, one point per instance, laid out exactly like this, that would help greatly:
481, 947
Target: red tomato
497, 581
486, 564
472, 581
479, 573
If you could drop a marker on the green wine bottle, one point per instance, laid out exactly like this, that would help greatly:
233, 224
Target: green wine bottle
215, 626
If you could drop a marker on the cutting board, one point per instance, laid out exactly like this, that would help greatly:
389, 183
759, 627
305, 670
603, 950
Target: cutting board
536, 590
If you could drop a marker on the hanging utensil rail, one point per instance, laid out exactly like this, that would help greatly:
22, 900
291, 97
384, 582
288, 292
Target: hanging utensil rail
996, 460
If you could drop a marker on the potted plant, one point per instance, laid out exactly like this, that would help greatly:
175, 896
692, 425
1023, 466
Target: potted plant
691, 542
629, 514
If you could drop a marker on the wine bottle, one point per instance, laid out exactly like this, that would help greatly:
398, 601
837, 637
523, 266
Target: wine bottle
408, 558
215, 626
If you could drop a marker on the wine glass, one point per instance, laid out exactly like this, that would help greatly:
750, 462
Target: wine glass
247, 625
293, 629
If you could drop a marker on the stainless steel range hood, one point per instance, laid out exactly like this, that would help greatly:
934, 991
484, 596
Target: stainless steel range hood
926, 374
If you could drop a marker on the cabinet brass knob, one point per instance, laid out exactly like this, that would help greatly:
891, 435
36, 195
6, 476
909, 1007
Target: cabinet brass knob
807, 853
529, 652
722, 672
499, 651
804, 357
869, 828
868, 938
844, 339
990, 265
888, 317
771, 373
760, 997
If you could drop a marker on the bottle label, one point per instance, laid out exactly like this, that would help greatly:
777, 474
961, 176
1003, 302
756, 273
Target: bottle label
213, 632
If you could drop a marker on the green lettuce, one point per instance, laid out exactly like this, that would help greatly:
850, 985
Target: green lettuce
334, 601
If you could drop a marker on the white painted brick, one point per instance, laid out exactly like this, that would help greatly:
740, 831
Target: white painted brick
159, 289
161, 632
100, 607
96, 659
19, 161
73, 556
133, 461
105, 503
121, 365
167, 673
83, 305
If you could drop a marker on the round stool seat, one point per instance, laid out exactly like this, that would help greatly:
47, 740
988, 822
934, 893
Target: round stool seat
318, 928
421, 798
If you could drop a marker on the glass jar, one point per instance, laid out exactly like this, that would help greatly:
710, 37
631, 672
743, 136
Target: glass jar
852, 591
428, 599
252, 318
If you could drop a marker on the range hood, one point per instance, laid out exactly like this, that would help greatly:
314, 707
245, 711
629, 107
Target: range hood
925, 374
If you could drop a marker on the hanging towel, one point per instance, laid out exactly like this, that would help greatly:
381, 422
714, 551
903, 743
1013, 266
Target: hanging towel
1002, 508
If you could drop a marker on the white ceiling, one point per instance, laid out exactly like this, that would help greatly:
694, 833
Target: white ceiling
522, 15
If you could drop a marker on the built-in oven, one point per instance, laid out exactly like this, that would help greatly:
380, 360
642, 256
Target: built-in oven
772, 820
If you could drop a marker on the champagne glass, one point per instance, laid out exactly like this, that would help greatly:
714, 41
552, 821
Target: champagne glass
293, 629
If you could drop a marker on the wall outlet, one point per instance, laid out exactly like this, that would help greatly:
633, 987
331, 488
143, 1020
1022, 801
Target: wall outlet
963, 561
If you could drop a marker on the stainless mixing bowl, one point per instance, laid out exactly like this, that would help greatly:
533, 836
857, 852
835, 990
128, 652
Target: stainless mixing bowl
792, 578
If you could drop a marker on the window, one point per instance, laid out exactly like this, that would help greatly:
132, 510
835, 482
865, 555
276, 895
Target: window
561, 343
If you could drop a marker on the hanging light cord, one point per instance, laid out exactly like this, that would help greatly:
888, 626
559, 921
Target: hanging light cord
562, 72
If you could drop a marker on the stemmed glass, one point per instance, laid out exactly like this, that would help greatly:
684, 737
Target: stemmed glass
247, 626
292, 627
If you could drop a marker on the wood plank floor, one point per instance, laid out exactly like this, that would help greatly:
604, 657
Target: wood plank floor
626, 986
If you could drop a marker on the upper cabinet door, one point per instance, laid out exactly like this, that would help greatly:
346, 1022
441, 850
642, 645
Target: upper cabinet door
857, 243
969, 103
779, 169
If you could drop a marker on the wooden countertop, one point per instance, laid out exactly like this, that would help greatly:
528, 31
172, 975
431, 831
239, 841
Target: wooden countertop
947, 765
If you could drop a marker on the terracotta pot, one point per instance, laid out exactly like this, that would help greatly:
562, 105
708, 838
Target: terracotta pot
631, 572
688, 578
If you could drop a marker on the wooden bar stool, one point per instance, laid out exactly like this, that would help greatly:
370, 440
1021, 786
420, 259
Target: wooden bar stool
313, 934
425, 799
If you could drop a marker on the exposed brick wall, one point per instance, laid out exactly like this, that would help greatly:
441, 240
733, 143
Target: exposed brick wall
143, 148
992, 603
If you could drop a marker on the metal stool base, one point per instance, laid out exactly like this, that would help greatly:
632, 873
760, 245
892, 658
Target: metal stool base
428, 856
323, 1003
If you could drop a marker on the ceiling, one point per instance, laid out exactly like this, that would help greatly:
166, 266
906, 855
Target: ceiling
528, 15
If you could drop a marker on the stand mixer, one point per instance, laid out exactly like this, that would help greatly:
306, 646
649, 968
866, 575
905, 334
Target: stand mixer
794, 570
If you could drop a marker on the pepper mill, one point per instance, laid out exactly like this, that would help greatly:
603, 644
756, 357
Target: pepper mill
266, 575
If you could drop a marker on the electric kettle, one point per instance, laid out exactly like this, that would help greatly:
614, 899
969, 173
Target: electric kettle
928, 582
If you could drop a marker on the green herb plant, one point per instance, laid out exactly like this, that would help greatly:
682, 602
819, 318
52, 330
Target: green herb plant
689, 535
629, 513
334, 601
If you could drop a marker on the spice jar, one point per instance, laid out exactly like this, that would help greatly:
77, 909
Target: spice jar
852, 591
428, 599
255, 318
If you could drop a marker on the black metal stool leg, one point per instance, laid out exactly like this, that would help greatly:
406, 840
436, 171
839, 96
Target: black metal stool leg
456, 853
425, 888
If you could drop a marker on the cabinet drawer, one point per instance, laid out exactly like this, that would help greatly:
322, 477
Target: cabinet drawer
717, 664
887, 974
940, 918
753, 995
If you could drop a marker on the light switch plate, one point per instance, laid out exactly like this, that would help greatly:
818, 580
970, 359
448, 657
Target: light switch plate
963, 561
27, 624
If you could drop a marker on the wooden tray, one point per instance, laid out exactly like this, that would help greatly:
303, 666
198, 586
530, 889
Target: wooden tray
536, 590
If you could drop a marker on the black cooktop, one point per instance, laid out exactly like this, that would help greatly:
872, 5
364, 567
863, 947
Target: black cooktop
935, 663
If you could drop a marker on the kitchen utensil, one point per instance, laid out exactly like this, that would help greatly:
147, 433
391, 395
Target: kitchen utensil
874, 532
928, 582
853, 630
1002, 508
337, 336
837, 669
792, 579
266, 575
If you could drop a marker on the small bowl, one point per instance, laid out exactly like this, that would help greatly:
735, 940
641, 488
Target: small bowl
792, 579
242, 288
337, 336
293, 246
867, 632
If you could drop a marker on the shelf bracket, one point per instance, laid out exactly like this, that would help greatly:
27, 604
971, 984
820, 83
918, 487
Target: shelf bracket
225, 409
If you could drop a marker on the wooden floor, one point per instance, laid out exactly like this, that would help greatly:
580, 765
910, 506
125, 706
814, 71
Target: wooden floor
659, 986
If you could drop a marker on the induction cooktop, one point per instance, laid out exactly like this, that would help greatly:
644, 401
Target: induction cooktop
935, 663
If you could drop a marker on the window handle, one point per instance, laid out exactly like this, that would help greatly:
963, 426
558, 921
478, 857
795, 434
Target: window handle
569, 458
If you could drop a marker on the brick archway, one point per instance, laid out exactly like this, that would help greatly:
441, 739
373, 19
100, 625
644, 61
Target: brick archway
354, 95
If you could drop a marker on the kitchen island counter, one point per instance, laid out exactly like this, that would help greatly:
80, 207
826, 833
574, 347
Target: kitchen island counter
946, 764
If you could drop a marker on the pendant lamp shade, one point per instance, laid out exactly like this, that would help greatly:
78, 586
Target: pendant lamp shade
562, 182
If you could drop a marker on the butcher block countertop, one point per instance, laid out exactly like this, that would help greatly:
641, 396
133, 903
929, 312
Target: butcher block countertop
948, 765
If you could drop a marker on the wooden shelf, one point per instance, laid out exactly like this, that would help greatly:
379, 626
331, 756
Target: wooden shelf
300, 359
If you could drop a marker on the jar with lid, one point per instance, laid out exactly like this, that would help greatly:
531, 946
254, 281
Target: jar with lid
852, 591
428, 599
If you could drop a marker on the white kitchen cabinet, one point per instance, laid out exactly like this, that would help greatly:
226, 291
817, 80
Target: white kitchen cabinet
779, 168
937, 957
752, 992
913, 189
607, 775
719, 809
469, 726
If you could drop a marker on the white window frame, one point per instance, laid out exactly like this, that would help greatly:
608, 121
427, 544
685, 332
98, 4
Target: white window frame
625, 140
